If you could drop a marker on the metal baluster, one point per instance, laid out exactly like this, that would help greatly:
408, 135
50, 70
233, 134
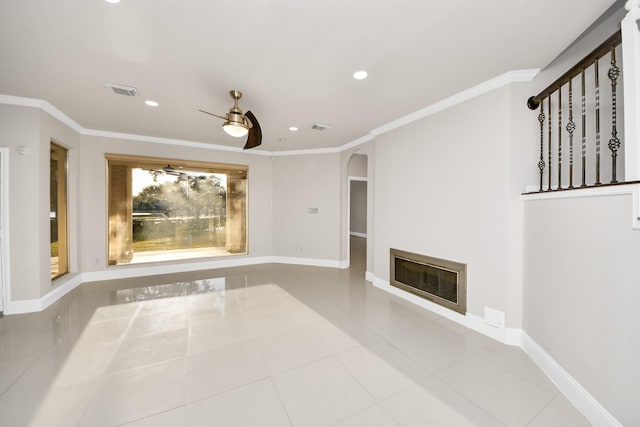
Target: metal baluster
597, 82
584, 134
614, 142
549, 122
541, 162
571, 127
560, 138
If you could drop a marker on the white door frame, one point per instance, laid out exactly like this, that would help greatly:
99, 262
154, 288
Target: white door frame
349, 179
5, 293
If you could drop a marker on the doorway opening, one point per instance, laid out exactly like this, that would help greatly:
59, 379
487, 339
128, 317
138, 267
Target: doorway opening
357, 214
4, 210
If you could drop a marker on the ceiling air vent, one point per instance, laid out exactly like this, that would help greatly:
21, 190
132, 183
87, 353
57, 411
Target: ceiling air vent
122, 90
319, 126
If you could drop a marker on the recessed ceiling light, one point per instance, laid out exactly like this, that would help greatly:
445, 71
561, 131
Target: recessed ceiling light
293, 129
360, 75
151, 103
112, 1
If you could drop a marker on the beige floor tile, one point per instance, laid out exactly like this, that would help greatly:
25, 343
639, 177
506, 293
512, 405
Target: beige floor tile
506, 396
215, 371
515, 360
171, 418
158, 322
217, 333
432, 403
559, 413
135, 394
255, 404
428, 347
139, 351
381, 369
290, 349
55, 407
373, 416
63, 406
321, 393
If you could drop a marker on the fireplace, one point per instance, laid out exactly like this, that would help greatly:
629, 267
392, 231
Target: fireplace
440, 281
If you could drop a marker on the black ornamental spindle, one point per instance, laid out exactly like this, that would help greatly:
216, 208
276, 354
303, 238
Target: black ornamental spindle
597, 90
614, 142
571, 127
560, 138
584, 133
549, 152
541, 161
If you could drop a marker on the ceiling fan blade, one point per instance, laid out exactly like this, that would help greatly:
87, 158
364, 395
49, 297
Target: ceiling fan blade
169, 170
255, 133
214, 115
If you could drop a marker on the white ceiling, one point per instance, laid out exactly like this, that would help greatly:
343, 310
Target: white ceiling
292, 59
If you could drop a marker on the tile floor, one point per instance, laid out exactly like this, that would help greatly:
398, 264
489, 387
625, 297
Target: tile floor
268, 345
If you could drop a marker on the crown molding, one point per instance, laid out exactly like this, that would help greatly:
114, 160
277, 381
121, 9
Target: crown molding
167, 141
516, 76
460, 97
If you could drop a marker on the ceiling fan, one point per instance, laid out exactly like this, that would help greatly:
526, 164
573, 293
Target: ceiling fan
238, 124
167, 170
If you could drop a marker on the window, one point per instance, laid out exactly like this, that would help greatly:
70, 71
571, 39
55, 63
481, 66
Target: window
167, 209
59, 251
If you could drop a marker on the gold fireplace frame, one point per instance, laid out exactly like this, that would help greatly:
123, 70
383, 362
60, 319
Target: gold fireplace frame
459, 269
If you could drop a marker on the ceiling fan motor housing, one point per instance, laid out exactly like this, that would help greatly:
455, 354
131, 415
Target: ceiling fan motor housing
235, 116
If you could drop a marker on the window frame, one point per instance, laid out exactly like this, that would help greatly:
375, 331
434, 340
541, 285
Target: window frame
233, 172
62, 208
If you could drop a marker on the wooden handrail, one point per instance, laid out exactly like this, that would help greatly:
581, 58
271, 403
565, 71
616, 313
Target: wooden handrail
534, 101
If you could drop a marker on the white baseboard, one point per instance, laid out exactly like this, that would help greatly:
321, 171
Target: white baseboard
65, 284
509, 336
356, 234
369, 276
588, 406
140, 270
313, 262
70, 282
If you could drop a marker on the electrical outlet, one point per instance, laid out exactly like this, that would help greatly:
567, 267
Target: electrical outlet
494, 317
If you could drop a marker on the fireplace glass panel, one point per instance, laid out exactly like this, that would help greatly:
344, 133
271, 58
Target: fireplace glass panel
433, 280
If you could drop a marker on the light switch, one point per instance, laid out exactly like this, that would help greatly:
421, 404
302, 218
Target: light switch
313, 210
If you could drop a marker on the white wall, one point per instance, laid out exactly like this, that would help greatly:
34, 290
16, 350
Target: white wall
442, 188
19, 126
357, 165
581, 294
303, 182
29, 251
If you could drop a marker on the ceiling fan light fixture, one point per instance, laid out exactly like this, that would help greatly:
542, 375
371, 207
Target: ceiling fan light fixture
235, 129
238, 124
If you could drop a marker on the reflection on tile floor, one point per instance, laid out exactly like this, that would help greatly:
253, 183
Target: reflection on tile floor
267, 345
